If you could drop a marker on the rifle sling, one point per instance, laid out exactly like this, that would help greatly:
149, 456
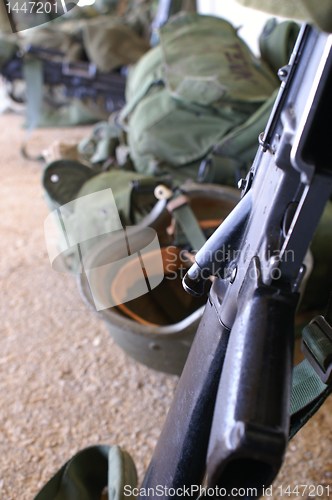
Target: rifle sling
312, 378
308, 394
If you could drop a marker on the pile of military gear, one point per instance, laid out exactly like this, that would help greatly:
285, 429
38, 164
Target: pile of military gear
191, 118
188, 121
74, 69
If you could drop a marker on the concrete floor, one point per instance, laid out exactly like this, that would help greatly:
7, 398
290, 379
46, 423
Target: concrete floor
64, 384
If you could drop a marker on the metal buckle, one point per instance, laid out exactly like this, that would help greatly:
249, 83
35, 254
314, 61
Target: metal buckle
317, 347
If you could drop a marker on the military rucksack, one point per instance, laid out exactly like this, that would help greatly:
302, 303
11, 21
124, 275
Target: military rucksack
199, 93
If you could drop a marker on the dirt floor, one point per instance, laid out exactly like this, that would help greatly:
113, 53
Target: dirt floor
64, 384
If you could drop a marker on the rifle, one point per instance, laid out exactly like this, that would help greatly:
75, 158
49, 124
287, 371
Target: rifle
80, 79
230, 418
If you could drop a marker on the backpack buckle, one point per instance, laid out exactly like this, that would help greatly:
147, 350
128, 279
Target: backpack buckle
317, 347
204, 170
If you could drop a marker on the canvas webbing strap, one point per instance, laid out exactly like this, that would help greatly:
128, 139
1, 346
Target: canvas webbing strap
178, 205
308, 394
189, 225
312, 379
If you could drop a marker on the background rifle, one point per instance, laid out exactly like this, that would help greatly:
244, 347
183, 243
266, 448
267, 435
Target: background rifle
80, 79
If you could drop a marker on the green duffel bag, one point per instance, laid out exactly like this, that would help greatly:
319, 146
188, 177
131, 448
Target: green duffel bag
186, 95
111, 43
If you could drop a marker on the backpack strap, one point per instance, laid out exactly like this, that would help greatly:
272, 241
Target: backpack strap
132, 103
178, 206
236, 149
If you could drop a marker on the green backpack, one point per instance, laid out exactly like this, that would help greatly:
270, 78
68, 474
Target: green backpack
199, 92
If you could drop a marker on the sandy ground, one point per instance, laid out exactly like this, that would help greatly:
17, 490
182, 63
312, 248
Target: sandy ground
64, 384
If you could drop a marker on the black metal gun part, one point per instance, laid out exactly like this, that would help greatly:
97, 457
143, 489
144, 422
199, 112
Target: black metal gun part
80, 79
230, 415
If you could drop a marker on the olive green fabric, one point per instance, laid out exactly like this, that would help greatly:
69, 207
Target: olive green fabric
100, 146
54, 38
313, 11
319, 284
91, 473
62, 180
56, 109
8, 48
120, 181
140, 15
67, 186
70, 111
186, 94
308, 394
111, 44
233, 155
277, 41
5, 26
